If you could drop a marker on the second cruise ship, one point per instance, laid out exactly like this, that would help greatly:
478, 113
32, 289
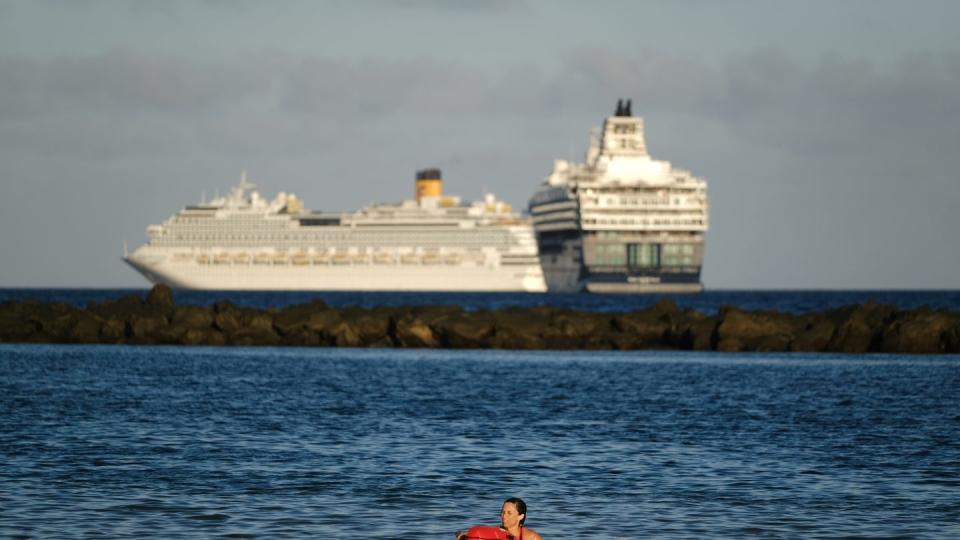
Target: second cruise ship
430, 243
622, 222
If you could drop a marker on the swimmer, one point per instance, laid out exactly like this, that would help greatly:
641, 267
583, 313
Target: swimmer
513, 514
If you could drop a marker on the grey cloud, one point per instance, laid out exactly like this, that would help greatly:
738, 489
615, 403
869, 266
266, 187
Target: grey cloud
458, 6
840, 106
371, 89
121, 80
833, 106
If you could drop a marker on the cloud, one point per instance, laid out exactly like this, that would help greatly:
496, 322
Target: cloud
123, 99
372, 88
120, 81
458, 6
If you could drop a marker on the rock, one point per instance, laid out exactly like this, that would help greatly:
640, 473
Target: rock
751, 331
145, 329
859, 327
665, 309
86, 328
257, 320
951, 340
52, 322
225, 306
700, 335
577, 330
228, 321
323, 322
292, 319
854, 329
371, 326
254, 336
192, 317
814, 334
344, 334
518, 329
202, 336
467, 330
58, 327
113, 331
301, 337
412, 332
256, 327
643, 329
730, 344
352, 327
15, 331
160, 297
922, 332
596, 331
122, 309
14, 326
774, 343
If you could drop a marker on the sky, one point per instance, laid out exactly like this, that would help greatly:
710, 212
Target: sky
828, 131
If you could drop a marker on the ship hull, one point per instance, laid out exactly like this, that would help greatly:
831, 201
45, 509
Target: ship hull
347, 277
564, 271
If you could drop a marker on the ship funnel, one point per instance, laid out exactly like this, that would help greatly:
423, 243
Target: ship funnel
429, 183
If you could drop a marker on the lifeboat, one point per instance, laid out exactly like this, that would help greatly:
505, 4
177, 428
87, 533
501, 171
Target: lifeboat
261, 258
341, 258
409, 259
241, 258
383, 258
279, 258
300, 259
452, 258
203, 259
431, 259
320, 259
221, 258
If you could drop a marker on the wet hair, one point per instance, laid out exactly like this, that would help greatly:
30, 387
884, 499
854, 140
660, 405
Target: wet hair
520, 505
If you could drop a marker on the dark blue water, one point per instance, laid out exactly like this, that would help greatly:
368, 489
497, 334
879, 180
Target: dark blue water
130, 442
790, 301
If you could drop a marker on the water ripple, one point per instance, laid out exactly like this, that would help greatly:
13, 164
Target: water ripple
128, 442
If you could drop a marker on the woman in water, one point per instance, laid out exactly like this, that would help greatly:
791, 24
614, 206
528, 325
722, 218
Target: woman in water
513, 513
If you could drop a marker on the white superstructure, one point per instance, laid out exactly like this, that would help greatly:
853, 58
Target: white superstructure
621, 221
433, 243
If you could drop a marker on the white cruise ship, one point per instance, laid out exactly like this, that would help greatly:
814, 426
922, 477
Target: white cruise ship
622, 222
432, 243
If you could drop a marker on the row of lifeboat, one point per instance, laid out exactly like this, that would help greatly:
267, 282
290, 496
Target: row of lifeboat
337, 259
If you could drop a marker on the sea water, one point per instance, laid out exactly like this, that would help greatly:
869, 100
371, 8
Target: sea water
183, 442
789, 301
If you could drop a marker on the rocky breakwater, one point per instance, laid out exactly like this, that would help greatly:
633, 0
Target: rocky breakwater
158, 320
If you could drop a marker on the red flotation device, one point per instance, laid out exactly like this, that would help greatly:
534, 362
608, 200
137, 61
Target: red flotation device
485, 532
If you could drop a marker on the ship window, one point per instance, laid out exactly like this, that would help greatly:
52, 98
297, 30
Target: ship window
643, 255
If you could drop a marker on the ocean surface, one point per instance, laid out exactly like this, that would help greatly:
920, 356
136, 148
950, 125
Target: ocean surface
789, 301
179, 442
235, 442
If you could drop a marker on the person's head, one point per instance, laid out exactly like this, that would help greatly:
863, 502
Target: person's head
513, 512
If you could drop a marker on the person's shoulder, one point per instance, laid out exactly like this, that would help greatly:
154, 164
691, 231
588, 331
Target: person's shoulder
530, 534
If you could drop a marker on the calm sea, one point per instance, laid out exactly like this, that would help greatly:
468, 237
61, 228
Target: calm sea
181, 442
791, 301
